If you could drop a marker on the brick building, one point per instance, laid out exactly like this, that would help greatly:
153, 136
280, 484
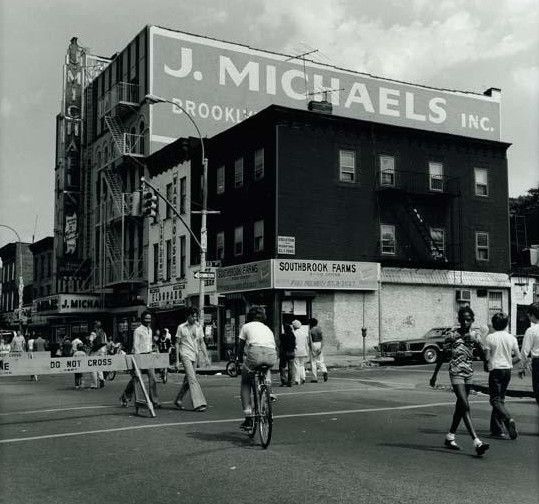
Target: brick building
14, 255
356, 223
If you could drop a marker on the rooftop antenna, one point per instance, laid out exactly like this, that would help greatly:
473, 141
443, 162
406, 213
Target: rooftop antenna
302, 58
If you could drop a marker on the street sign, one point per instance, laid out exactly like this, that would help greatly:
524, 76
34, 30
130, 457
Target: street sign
205, 274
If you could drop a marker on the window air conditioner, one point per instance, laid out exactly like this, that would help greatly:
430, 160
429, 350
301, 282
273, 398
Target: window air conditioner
464, 296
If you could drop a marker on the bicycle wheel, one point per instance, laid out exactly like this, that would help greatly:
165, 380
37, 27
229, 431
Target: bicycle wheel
254, 405
232, 369
265, 422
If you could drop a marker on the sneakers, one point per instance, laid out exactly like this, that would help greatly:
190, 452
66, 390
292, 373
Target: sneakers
273, 397
481, 449
247, 424
200, 408
123, 401
501, 436
178, 405
451, 445
512, 429
325, 377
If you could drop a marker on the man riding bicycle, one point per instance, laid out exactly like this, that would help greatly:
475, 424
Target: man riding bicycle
257, 345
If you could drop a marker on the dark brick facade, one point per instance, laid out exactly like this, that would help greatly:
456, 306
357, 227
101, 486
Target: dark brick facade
301, 195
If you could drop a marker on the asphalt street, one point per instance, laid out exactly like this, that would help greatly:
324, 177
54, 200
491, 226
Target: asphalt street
366, 436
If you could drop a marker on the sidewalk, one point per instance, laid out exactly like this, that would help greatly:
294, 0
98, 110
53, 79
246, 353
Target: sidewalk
517, 387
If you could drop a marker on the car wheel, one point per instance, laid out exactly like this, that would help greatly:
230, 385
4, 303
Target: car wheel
430, 355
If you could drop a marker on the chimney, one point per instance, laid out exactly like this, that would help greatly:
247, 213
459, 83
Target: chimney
322, 107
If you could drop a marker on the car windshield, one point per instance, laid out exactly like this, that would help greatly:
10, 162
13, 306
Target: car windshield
437, 332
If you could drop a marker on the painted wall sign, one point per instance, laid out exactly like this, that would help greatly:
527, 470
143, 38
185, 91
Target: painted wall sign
221, 83
325, 275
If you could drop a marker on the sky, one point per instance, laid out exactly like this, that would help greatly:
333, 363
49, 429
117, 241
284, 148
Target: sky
469, 45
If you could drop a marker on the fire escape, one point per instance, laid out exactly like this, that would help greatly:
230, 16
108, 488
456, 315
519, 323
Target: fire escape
117, 213
426, 212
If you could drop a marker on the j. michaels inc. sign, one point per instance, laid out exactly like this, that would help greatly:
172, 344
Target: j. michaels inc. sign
221, 83
68, 303
299, 274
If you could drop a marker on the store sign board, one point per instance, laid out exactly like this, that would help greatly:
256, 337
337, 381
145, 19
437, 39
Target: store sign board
221, 83
163, 296
244, 277
325, 275
68, 303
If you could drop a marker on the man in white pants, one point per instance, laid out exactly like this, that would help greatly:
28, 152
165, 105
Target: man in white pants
316, 345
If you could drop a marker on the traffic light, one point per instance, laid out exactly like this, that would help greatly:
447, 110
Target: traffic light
149, 207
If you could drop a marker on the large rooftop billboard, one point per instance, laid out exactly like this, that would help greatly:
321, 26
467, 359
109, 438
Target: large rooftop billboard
221, 83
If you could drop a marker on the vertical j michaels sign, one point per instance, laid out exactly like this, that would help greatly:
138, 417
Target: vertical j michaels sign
221, 83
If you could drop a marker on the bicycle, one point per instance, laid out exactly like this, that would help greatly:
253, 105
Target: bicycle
233, 366
261, 403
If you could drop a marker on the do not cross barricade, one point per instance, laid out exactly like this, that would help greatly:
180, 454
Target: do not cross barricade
40, 363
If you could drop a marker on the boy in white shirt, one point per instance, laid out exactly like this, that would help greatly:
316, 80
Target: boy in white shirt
502, 352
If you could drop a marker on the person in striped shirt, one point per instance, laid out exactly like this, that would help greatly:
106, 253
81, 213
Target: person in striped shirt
458, 347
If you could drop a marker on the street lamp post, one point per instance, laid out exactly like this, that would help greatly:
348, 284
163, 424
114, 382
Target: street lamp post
21, 279
152, 99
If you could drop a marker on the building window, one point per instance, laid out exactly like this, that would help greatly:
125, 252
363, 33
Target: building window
481, 246
481, 182
220, 246
347, 166
168, 260
387, 238
436, 176
183, 252
168, 213
183, 194
155, 262
437, 235
259, 236
238, 173
387, 171
259, 164
220, 180
238, 241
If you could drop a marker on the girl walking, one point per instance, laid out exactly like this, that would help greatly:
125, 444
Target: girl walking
459, 347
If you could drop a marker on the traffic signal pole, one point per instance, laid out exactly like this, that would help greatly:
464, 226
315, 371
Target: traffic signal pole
171, 206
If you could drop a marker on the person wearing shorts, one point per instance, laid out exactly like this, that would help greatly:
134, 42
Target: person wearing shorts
459, 346
257, 348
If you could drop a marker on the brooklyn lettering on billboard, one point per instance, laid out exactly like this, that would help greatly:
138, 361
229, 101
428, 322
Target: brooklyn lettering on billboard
221, 83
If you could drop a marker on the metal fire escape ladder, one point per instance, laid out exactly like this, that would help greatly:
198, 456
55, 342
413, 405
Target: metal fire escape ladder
113, 251
117, 133
115, 188
423, 230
